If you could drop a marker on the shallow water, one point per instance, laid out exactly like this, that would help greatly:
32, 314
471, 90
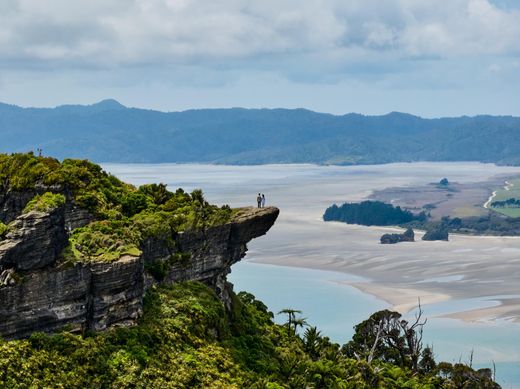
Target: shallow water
336, 308
301, 238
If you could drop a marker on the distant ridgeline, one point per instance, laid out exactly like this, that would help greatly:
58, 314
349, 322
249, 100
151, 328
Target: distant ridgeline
110, 132
371, 213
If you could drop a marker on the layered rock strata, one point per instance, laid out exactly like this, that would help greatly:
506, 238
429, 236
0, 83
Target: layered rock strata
40, 292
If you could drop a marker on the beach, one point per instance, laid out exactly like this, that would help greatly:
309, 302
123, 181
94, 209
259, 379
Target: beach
468, 286
465, 267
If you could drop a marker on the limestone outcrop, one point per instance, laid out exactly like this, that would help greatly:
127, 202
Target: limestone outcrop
39, 291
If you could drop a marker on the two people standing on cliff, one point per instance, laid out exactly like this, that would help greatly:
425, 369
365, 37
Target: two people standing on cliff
260, 200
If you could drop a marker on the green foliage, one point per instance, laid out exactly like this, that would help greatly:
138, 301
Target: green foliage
124, 232
391, 349
370, 213
126, 216
134, 203
176, 345
160, 268
157, 192
4, 229
256, 136
438, 233
103, 241
185, 339
45, 202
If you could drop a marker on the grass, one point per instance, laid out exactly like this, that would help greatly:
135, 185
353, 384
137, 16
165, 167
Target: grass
468, 211
511, 191
45, 202
510, 212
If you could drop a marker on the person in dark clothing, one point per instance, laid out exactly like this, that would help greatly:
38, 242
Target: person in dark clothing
259, 200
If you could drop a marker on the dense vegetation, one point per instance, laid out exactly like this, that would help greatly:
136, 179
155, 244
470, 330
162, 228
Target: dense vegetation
45, 202
440, 232
185, 339
376, 213
125, 215
370, 213
506, 200
407, 236
491, 224
511, 202
110, 132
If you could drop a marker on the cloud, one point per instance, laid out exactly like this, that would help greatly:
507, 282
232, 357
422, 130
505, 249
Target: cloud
126, 33
329, 55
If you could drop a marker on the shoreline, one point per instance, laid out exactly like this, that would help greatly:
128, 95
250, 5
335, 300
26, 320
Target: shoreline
402, 300
405, 299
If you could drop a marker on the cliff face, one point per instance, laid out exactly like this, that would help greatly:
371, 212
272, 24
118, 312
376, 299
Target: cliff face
41, 292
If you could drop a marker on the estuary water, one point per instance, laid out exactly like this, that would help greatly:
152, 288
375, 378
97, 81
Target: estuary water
338, 274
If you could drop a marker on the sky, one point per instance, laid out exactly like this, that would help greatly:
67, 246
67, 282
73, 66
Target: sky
426, 57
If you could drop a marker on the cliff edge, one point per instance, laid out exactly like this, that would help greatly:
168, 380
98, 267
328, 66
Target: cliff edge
63, 265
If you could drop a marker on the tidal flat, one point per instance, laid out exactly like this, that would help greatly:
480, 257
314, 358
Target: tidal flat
468, 286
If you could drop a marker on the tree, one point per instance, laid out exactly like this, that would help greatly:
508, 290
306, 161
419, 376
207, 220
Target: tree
134, 203
437, 233
293, 322
387, 337
311, 342
157, 192
427, 363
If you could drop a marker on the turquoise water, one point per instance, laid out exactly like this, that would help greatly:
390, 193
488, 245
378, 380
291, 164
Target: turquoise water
331, 306
302, 192
335, 308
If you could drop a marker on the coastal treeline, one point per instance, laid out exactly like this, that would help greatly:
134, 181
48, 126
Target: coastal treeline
371, 213
377, 213
511, 203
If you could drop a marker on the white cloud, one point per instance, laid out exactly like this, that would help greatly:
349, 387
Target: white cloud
329, 55
122, 32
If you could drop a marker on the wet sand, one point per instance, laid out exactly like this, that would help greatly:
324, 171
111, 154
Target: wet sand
475, 279
463, 268
466, 267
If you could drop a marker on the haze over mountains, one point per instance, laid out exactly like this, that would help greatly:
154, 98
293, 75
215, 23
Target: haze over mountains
110, 132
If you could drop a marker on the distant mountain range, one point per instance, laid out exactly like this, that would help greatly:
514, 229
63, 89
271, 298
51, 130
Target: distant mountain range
110, 132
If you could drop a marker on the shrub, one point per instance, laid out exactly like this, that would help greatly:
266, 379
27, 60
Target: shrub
4, 229
45, 202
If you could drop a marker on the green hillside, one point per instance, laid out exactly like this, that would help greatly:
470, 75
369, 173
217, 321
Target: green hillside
110, 132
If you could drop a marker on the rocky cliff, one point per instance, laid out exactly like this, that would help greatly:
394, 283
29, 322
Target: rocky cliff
40, 291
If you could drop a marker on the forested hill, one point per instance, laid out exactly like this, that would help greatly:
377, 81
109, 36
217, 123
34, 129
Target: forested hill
110, 132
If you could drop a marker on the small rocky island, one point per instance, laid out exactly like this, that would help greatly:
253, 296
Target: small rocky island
438, 232
79, 248
407, 236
